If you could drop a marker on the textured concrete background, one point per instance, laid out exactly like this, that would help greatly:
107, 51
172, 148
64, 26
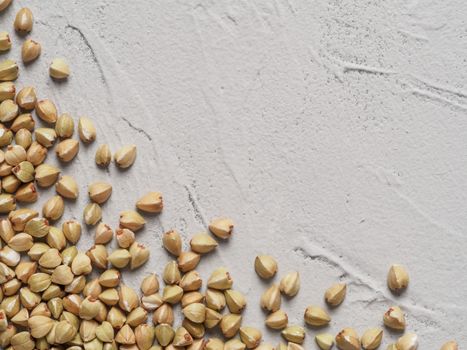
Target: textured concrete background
332, 132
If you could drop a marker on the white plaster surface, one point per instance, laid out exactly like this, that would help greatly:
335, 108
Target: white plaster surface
332, 131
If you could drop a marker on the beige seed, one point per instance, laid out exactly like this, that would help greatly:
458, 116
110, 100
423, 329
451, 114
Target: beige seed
408, 341
50, 259
152, 302
250, 336
137, 316
103, 155
72, 231
8, 111
235, 300
22, 341
125, 237
100, 191
21, 318
372, 338
335, 294
81, 265
23, 138
21, 242
30, 50
125, 156
295, 334
450, 345
347, 339
36, 153
92, 213
139, 255
182, 337
290, 284
24, 270
98, 255
62, 275
59, 69
116, 317
316, 316
172, 242
47, 111
7, 203
46, 175
92, 288
151, 202
265, 266
15, 155
188, 261
87, 330
56, 238
3, 5
119, 258
86, 130
325, 341
53, 208
26, 193
222, 227
144, 336
202, 243
195, 312
214, 344
220, 279
105, 332
172, 294
23, 21
8, 70
271, 299
191, 281
6, 230
103, 234
277, 320
5, 336
398, 278
164, 334
215, 299
163, 314
394, 318
65, 126
67, 187
45, 136
192, 297
128, 298
109, 297
131, 220
23, 121
67, 150
7, 92
26, 98
125, 336
212, 318
40, 326
5, 42
230, 324
64, 332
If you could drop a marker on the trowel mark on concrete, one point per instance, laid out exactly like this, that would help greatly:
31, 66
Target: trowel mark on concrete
355, 277
91, 50
198, 213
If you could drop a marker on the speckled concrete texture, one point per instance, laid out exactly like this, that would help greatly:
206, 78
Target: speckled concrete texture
332, 131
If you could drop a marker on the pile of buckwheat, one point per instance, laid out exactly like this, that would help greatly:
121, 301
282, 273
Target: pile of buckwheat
48, 299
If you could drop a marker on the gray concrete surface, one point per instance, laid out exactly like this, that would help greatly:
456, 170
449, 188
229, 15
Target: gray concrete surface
332, 132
